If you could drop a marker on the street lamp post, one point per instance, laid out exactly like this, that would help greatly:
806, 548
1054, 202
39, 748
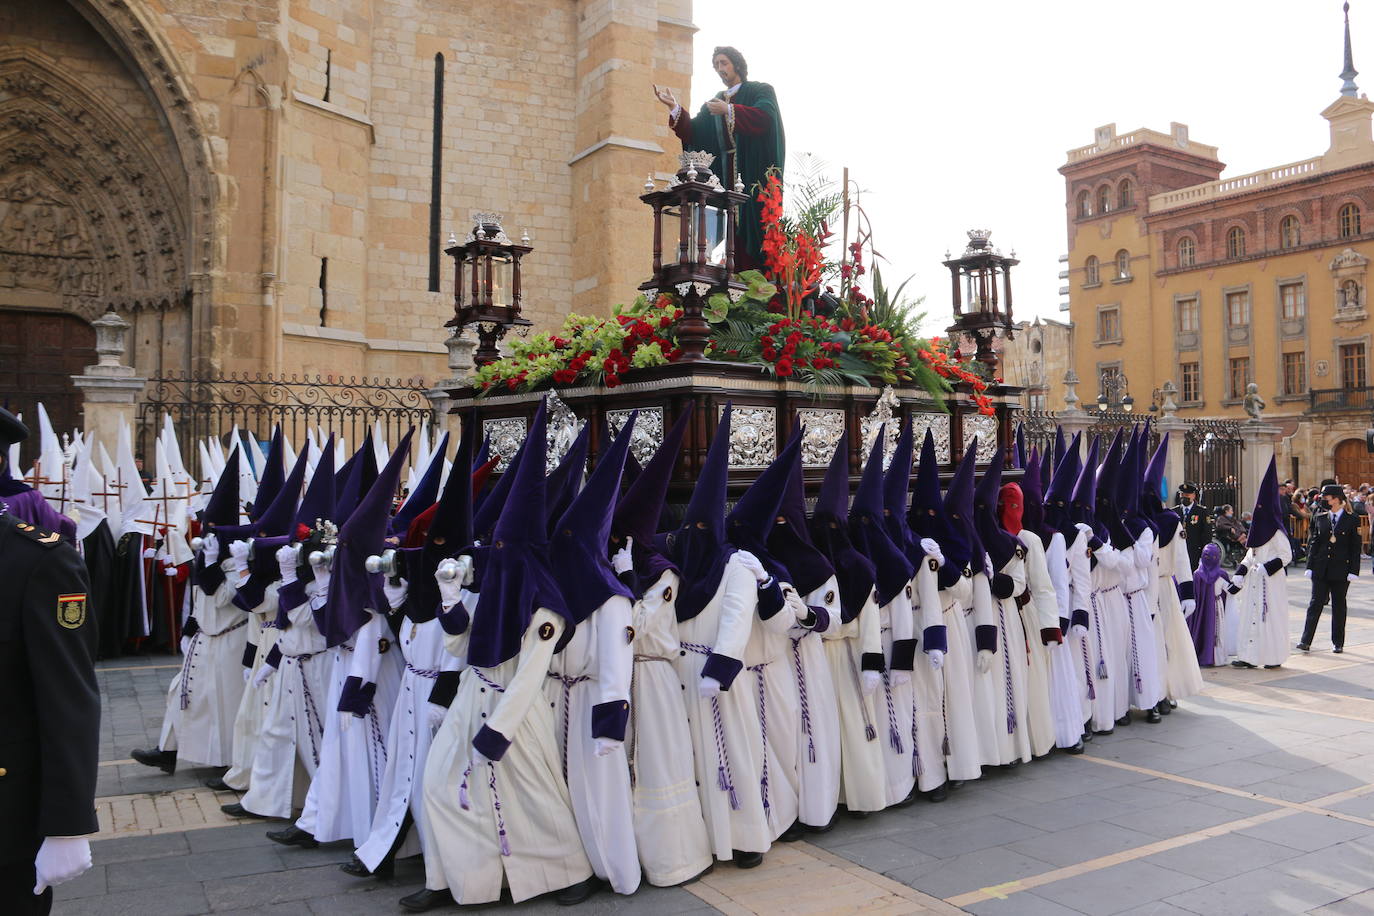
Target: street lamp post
1113, 387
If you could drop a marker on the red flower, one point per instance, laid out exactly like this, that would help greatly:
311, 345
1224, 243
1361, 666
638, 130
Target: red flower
612, 380
608, 364
784, 367
665, 321
564, 376
770, 354
513, 383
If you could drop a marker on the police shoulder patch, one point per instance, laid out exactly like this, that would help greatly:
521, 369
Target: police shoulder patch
71, 610
38, 535
546, 630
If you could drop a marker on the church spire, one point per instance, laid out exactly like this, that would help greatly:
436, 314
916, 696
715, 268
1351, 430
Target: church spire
1349, 73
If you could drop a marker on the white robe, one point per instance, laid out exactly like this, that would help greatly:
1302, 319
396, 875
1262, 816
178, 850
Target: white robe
927, 729
818, 739
862, 779
594, 668
262, 634
1262, 611
518, 823
1011, 674
1080, 583
767, 664
895, 700
204, 696
1143, 652
1107, 630
1055, 708
963, 753
669, 830
1182, 676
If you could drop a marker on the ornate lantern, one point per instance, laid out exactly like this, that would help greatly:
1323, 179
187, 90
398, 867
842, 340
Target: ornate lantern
979, 311
697, 209
486, 283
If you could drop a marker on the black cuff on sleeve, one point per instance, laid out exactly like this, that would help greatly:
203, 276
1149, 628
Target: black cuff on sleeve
1094, 543
291, 596
723, 668
192, 627
609, 720
1079, 618
1051, 635
1185, 590
356, 696
935, 638
1273, 566
820, 619
871, 661
250, 654
985, 637
455, 620
274, 657
445, 689
770, 600
490, 743
903, 654
948, 576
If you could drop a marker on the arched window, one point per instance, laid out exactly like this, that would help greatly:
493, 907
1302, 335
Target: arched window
1187, 252
1290, 236
1349, 219
1123, 264
1090, 273
1085, 204
1235, 242
1125, 194
1104, 199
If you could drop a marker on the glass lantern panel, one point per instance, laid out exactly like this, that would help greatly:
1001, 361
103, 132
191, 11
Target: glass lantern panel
715, 234
502, 281
669, 222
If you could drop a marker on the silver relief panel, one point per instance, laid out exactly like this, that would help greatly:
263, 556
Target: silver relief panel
938, 424
985, 428
884, 411
506, 435
753, 436
648, 434
821, 429
563, 429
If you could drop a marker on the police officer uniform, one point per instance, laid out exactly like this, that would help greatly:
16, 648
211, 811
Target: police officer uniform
1197, 527
50, 721
1333, 556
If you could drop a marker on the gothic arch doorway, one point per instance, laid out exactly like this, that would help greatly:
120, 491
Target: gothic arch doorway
1354, 463
39, 353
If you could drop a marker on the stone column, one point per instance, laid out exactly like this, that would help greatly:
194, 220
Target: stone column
110, 389
1177, 429
460, 364
1259, 438
1073, 418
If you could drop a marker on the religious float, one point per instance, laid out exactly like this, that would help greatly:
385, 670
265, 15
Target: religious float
771, 343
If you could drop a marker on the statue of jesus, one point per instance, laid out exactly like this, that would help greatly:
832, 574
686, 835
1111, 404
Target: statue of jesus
742, 126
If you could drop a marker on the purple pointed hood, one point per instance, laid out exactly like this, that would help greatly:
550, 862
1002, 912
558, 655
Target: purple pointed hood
868, 530
752, 519
578, 548
790, 541
638, 511
425, 494
829, 529
272, 531
928, 519
1033, 506
360, 474
353, 591
1166, 523
273, 473
1083, 502
517, 580
1268, 516
1107, 511
699, 548
223, 507
997, 541
1019, 455
959, 504
449, 532
318, 502
566, 479
896, 484
484, 453
1059, 509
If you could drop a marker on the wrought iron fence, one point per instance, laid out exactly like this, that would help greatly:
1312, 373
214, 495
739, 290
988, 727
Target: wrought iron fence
1037, 427
202, 407
1212, 461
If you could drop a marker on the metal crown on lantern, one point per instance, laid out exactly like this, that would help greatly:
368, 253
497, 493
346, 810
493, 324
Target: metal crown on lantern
979, 311
486, 283
703, 213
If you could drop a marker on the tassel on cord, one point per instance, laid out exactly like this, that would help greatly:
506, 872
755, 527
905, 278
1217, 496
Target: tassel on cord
463, 801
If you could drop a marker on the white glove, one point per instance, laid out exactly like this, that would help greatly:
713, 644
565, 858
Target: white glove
1308, 573
751, 563
607, 746
869, 681
247, 675
478, 758
149, 553
795, 603
937, 659
59, 859
395, 594
435, 715
622, 560
1351, 577
185, 645
450, 591
321, 582
345, 722
238, 557
288, 556
708, 688
211, 550
932, 549
264, 672
170, 572
1188, 605
984, 661
1086, 529
1078, 630
900, 678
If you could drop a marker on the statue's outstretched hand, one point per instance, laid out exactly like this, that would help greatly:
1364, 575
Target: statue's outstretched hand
665, 95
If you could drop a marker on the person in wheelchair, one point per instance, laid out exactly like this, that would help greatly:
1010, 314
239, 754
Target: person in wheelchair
1230, 535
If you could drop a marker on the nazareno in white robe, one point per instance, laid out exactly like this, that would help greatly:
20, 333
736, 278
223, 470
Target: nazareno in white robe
1047, 578
593, 669
726, 734
1143, 651
863, 784
669, 831
204, 696
767, 664
927, 728
507, 820
964, 754
818, 740
1011, 672
1079, 566
1107, 630
895, 700
1182, 677
261, 640
1262, 609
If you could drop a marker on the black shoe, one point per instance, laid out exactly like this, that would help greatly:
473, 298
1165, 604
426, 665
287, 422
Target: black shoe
1164, 707
1271, 667
939, 793
1076, 749
910, 798
355, 867
294, 836
426, 899
823, 828
1173, 704
1105, 732
857, 815
1304, 647
1087, 732
955, 783
1016, 762
237, 810
582, 890
1241, 664
747, 859
1338, 650
793, 833
166, 761
1153, 717
218, 784
1124, 720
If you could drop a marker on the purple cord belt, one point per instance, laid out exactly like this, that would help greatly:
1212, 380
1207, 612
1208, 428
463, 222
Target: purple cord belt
724, 779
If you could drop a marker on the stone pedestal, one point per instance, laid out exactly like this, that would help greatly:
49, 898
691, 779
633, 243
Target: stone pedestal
460, 364
110, 389
1173, 465
1075, 421
1258, 438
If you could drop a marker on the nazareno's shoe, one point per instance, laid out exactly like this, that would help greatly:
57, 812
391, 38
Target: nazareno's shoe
1304, 647
1337, 650
1075, 749
1271, 667
747, 859
577, 893
1153, 717
1124, 720
1164, 707
237, 810
823, 828
1107, 731
166, 761
1240, 664
426, 899
939, 793
793, 833
293, 836
218, 784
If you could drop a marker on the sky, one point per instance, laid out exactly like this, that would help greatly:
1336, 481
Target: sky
955, 116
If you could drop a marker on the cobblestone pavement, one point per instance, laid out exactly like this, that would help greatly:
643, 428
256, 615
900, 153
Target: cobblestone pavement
1257, 797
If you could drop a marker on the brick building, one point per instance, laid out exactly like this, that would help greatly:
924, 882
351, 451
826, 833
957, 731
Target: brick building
1178, 274
267, 186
